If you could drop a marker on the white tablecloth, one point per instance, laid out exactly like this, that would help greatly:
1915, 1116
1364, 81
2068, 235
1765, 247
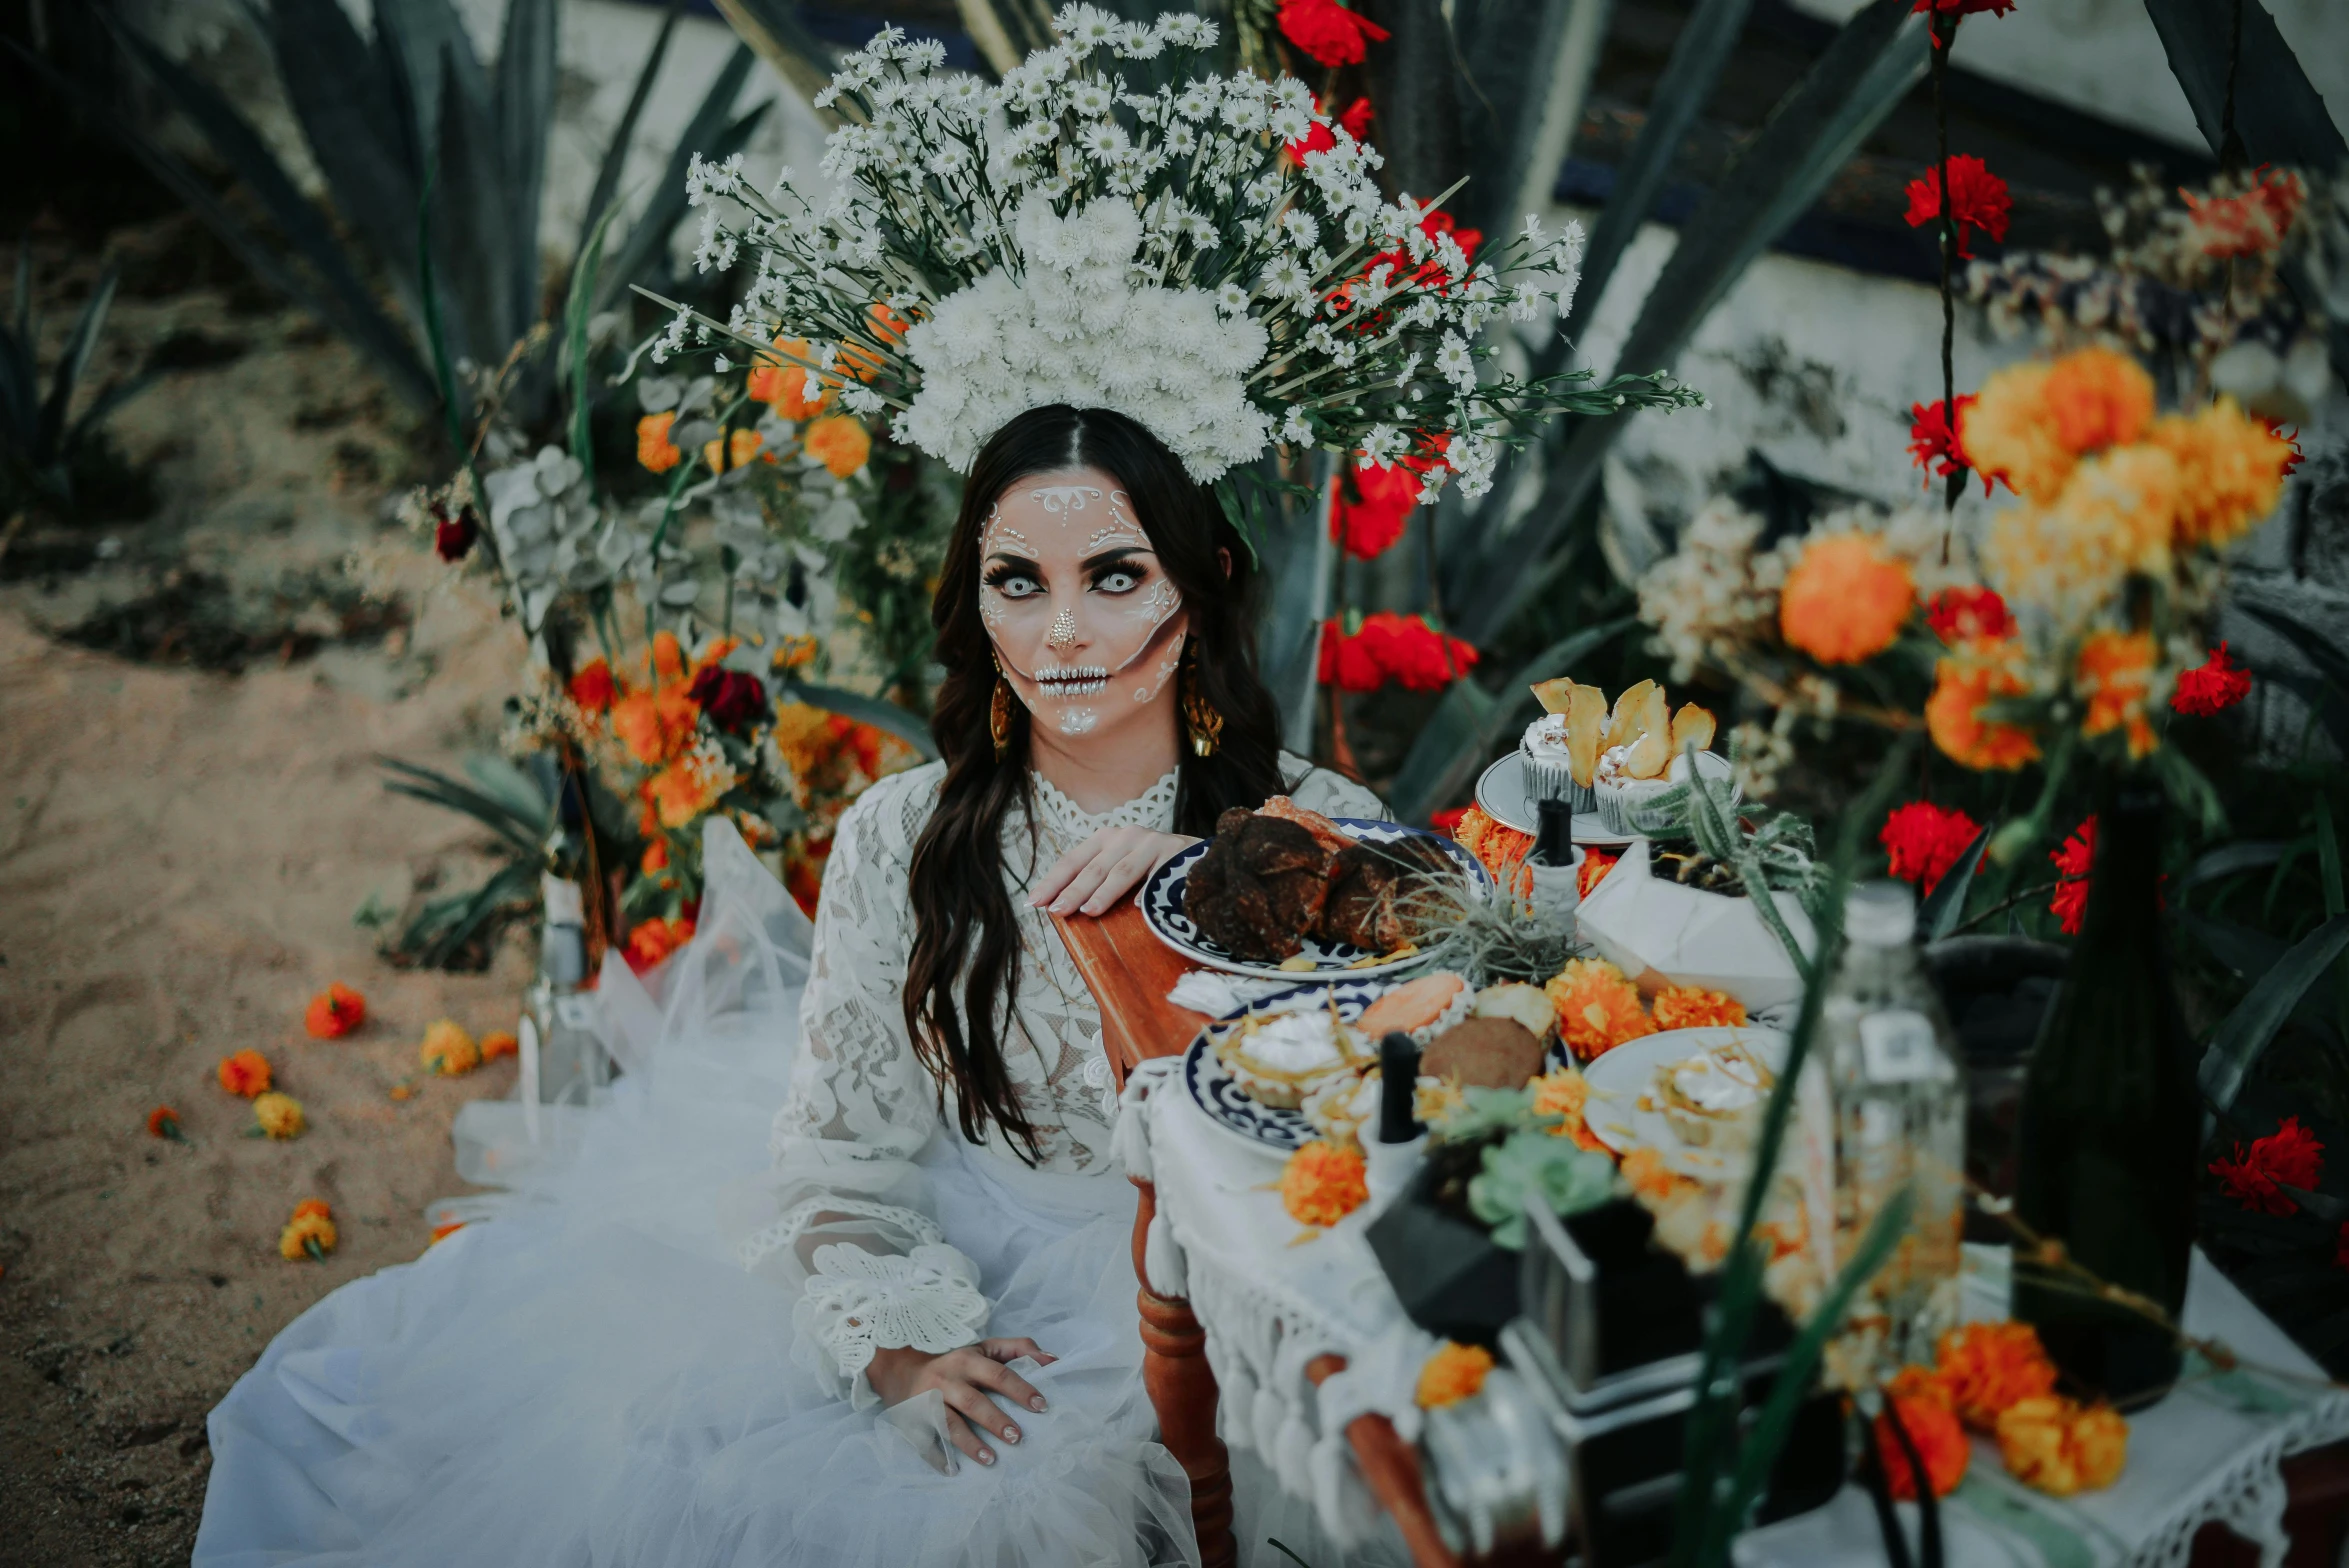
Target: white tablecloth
1270, 1303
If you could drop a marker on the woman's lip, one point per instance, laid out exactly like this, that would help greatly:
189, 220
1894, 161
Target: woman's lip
1081, 681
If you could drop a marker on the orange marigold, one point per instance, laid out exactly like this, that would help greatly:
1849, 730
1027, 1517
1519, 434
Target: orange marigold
739, 448
650, 941
309, 1234
1846, 599
1694, 1007
1939, 1440
1598, 1007
2096, 398
785, 385
2059, 1447
245, 1073
1455, 1372
1596, 863
163, 1122
2230, 471
840, 443
1562, 1092
653, 446
499, 1042
1323, 1183
2004, 430
334, 1012
655, 725
1499, 848
278, 1115
1965, 684
655, 858
2115, 674
1646, 1174
448, 1049
687, 788
1989, 1367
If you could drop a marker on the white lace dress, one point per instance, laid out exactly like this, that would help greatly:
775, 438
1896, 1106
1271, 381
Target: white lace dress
652, 1351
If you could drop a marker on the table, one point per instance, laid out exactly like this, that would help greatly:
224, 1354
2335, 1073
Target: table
1129, 971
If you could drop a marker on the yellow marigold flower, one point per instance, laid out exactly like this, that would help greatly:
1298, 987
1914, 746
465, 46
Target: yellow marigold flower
448, 1049
1598, 1007
2230, 471
740, 447
839, 442
1988, 1368
1845, 599
1562, 1092
1964, 684
2005, 432
1455, 1372
1694, 1007
2096, 398
1323, 1183
2056, 1446
2115, 674
653, 447
2113, 518
784, 385
278, 1115
309, 1234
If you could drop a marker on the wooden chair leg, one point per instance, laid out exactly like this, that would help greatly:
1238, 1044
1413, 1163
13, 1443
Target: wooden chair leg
1182, 1390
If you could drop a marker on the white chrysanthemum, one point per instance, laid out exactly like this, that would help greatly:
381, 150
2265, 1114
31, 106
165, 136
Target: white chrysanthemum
1075, 330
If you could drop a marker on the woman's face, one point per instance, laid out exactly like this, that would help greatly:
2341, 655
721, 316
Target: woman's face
1086, 623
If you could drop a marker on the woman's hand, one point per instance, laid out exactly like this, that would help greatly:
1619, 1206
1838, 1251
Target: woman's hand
966, 1377
1105, 868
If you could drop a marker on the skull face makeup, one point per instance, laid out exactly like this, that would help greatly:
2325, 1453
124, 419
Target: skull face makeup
1086, 625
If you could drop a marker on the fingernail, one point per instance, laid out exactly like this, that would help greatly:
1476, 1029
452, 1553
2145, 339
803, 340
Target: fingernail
986, 1456
1036, 1403
1011, 1434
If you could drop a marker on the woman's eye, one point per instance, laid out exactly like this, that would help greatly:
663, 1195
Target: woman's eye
1118, 581
1017, 587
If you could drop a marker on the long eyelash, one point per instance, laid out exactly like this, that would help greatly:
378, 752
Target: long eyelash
997, 576
1122, 569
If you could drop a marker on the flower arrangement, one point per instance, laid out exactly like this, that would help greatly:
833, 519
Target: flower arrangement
334, 1012
309, 1234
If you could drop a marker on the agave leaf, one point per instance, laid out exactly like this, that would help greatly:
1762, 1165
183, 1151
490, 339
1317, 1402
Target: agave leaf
790, 50
445, 925
2236, 1046
505, 781
2279, 116
523, 99
1946, 904
509, 804
355, 115
708, 133
607, 174
472, 229
1459, 735
423, 36
578, 302
49, 430
1698, 56
100, 408
2317, 647
907, 726
2230, 859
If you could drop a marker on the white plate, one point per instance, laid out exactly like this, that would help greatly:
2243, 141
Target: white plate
1231, 1108
1162, 908
1501, 792
1621, 1077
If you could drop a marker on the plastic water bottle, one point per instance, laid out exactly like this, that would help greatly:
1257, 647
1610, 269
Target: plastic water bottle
1900, 1120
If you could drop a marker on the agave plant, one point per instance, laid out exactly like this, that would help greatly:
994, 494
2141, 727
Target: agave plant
41, 440
426, 153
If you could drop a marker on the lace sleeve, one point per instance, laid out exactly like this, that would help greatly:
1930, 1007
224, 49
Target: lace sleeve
848, 1225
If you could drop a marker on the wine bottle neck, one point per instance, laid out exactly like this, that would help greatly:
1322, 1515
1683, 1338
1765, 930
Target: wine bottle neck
2124, 895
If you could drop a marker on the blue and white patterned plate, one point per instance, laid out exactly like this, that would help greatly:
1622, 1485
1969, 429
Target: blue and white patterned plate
1231, 1108
1162, 907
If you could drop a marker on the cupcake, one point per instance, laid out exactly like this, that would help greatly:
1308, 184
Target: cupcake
1714, 1098
1420, 1008
1280, 1058
1630, 805
1549, 769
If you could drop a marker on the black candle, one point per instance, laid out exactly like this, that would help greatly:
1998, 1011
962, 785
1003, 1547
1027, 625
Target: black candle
1398, 1071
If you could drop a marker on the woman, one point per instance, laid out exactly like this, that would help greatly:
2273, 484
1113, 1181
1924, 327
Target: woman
937, 1263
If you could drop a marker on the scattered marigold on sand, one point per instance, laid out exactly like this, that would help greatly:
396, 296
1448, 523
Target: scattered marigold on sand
499, 1042
1694, 1007
448, 1049
1323, 1183
1938, 1439
1454, 1373
278, 1116
334, 1012
245, 1073
2058, 1446
1963, 686
309, 1234
163, 1122
1846, 599
840, 443
1598, 1007
1989, 1367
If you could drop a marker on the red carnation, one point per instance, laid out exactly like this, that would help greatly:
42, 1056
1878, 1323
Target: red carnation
453, 536
1329, 32
2073, 862
1373, 520
1448, 822
1401, 648
1925, 841
1965, 614
1347, 662
1933, 442
1960, 8
732, 698
2290, 1156
2213, 686
1357, 118
1317, 138
2290, 438
1977, 197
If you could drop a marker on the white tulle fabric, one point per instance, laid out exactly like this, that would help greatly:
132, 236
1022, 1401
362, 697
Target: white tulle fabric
589, 1375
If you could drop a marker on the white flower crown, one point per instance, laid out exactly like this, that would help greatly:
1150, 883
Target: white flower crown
1206, 254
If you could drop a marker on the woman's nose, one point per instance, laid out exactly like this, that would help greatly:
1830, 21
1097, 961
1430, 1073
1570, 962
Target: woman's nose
1064, 637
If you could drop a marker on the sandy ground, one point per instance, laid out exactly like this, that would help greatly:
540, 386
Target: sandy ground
181, 856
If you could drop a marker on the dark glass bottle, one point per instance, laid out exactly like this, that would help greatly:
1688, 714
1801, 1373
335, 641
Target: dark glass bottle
1553, 844
2110, 1125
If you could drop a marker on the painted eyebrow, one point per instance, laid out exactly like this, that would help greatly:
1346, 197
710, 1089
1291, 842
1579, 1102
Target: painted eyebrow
1008, 559
1107, 558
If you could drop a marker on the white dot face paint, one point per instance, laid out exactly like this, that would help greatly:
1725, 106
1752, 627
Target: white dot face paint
1078, 605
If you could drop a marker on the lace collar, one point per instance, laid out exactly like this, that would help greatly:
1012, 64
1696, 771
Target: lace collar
1153, 809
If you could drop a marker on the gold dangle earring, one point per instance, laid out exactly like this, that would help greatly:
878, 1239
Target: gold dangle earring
1200, 719
999, 714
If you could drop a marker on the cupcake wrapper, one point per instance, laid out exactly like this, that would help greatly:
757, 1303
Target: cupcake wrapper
1549, 778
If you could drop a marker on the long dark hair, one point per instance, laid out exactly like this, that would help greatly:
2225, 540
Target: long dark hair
965, 930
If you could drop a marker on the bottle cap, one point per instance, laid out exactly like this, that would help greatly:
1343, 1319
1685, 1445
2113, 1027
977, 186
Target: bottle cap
1881, 914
